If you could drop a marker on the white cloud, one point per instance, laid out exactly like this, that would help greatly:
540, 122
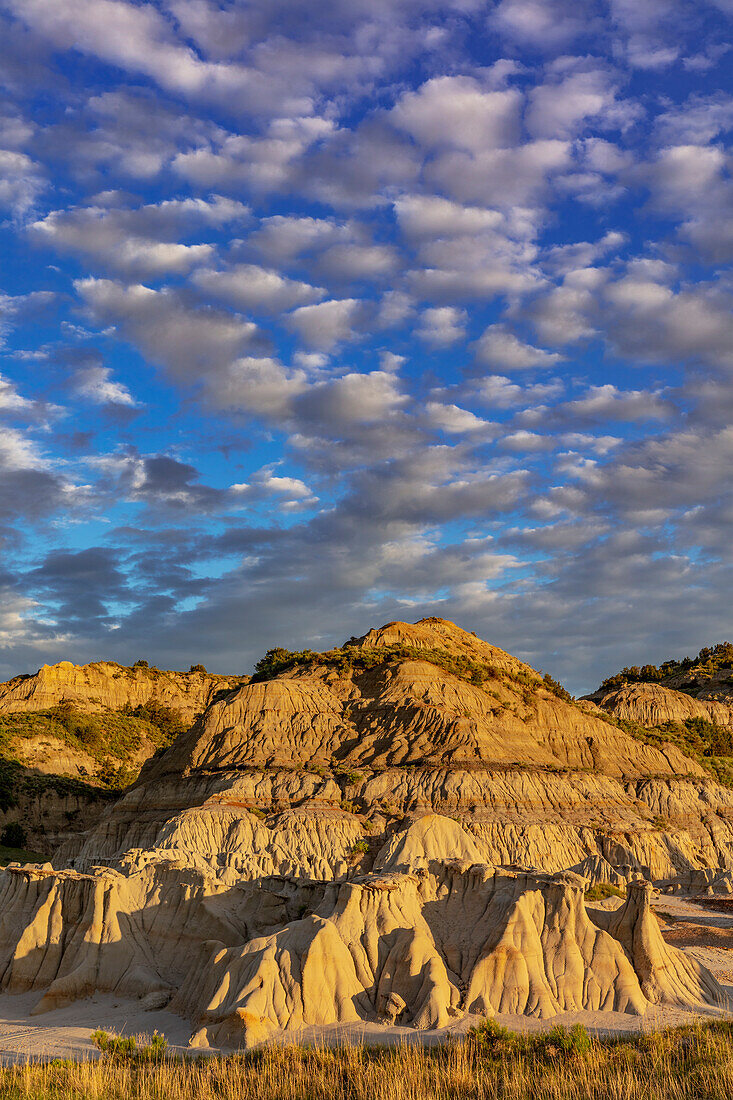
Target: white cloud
97, 385
576, 92
456, 112
10, 400
195, 346
252, 288
501, 177
141, 241
21, 182
138, 39
499, 392
18, 451
283, 237
324, 325
607, 402
359, 261
352, 399
456, 421
433, 216
500, 347
544, 24
291, 493
265, 163
441, 326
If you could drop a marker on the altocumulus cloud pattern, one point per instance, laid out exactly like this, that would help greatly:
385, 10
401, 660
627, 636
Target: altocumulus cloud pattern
315, 315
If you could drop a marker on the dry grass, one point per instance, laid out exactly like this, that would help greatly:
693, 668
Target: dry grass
685, 1064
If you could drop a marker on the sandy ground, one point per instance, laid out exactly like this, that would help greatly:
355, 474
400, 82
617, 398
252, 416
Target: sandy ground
65, 1032
701, 931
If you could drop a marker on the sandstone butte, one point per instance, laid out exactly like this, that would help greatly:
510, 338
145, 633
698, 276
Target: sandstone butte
401, 830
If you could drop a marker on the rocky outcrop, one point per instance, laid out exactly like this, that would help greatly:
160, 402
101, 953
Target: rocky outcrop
298, 823
406, 714
425, 941
54, 813
105, 685
652, 705
370, 836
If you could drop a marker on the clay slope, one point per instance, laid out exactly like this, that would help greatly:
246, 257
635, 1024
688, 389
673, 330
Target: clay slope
105, 685
653, 705
408, 711
401, 829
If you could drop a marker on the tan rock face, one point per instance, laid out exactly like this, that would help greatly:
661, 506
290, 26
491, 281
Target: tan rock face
51, 815
385, 842
412, 712
108, 686
653, 705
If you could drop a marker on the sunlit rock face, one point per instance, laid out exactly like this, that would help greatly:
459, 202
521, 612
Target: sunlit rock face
399, 830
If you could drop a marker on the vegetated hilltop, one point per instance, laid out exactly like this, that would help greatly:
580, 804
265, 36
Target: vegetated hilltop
689, 702
707, 676
69, 734
402, 828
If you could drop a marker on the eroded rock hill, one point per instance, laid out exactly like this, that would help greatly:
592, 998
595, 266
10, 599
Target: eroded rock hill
399, 829
675, 692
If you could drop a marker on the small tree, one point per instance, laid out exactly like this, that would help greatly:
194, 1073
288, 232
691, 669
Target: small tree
197, 668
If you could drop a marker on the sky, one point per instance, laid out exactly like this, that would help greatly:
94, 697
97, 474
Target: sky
314, 316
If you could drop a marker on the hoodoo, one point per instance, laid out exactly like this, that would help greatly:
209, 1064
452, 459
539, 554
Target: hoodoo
400, 829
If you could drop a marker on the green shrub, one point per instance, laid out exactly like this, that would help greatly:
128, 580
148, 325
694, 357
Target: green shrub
603, 890
709, 660
277, 661
197, 668
116, 1046
556, 688
125, 1047
491, 1038
350, 777
565, 1041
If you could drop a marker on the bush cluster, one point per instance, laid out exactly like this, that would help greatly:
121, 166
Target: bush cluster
125, 1047
348, 657
709, 660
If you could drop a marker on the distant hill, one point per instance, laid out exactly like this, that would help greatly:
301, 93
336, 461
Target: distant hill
688, 701
707, 676
69, 734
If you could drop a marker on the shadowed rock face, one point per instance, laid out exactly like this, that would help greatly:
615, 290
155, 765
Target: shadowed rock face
437, 937
336, 845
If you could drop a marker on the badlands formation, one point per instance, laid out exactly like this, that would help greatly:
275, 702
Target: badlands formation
52, 780
400, 830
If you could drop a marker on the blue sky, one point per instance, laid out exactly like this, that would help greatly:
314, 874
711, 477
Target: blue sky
315, 316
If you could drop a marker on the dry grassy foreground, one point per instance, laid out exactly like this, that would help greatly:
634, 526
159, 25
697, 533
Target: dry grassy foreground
694, 1063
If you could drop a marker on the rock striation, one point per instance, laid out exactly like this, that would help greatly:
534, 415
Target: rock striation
105, 685
653, 705
402, 830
